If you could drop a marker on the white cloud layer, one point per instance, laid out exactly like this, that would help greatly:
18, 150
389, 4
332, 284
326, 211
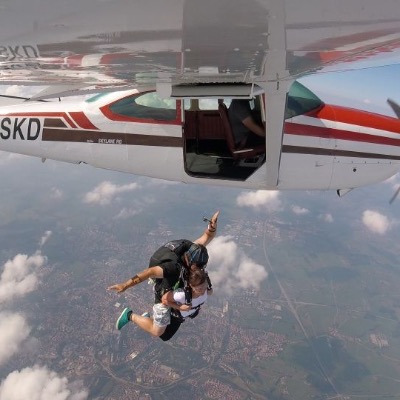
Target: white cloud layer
14, 330
230, 269
19, 276
105, 192
376, 222
260, 199
39, 383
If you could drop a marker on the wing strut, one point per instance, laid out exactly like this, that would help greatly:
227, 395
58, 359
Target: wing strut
276, 86
275, 104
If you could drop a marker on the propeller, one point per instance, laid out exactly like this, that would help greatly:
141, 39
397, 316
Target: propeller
394, 106
396, 109
396, 193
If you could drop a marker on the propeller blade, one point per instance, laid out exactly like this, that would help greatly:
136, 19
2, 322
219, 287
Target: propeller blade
394, 196
394, 106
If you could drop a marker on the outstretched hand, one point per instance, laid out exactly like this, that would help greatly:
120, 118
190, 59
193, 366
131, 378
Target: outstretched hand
119, 287
214, 220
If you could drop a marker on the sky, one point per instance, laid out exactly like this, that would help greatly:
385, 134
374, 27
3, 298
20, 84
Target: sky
367, 89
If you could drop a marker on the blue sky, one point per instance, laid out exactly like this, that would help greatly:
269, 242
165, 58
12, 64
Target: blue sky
366, 88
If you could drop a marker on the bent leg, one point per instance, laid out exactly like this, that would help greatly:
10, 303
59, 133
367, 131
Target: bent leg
155, 326
147, 324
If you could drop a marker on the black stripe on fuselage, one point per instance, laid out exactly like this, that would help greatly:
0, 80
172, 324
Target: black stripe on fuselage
54, 123
336, 153
85, 136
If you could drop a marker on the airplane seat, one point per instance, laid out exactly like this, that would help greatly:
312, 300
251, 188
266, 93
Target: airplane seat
238, 152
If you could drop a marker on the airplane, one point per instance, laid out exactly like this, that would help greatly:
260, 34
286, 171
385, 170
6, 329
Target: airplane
163, 74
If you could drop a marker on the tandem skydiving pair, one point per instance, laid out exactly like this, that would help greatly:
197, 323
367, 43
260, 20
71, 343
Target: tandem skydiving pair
181, 284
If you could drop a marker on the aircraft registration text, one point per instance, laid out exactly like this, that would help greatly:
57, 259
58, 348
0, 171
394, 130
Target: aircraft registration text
20, 128
12, 53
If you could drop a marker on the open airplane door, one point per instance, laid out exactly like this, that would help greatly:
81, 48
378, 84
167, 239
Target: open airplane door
208, 153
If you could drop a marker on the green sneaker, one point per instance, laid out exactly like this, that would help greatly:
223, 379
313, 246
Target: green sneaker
123, 318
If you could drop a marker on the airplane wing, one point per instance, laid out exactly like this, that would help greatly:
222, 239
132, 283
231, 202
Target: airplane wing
120, 43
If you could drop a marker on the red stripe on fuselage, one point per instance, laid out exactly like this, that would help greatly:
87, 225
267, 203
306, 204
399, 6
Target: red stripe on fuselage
330, 133
43, 115
357, 117
82, 120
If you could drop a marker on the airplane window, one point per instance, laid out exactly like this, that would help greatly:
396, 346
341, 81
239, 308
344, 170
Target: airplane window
146, 106
203, 104
212, 104
153, 100
188, 105
94, 98
300, 101
208, 104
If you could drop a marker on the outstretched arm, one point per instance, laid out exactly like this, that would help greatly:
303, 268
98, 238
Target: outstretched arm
152, 272
210, 231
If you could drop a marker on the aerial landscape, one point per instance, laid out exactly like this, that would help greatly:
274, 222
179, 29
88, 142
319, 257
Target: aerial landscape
306, 302
127, 125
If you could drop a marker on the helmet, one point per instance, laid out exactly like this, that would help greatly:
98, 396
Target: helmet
197, 254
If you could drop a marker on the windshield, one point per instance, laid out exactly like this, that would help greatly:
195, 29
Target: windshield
146, 106
300, 101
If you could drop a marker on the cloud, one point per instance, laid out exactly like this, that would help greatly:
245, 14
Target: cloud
300, 210
126, 213
260, 199
14, 330
326, 217
104, 193
8, 158
21, 91
39, 383
231, 269
45, 238
56, 193
18, 277
376, 222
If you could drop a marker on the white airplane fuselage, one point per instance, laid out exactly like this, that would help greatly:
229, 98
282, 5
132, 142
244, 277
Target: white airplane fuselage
330, 147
